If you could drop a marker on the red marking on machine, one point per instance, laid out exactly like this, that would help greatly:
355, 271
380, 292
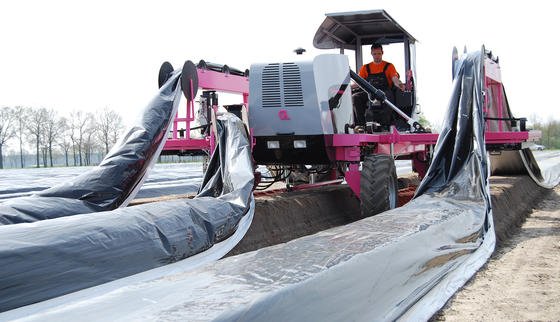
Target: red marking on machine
283, 115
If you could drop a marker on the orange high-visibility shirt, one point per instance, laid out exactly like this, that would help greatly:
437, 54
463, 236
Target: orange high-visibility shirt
378, 68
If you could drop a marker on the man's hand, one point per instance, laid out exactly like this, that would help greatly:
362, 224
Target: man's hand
397, 82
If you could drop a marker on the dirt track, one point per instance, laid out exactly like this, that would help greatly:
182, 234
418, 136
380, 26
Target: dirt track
522, 279
310, 211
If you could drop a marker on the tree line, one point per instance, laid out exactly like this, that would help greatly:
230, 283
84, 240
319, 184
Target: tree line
550, 131
76, 137
44, 133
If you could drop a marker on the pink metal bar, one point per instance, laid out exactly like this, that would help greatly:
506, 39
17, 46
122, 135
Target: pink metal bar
190, 112
362, 139
506, 137
316, 185
191, 144
174, 134
403, 141
347, 153
501, 108
496, 89
401, 148
347, 146
352, 177
209, 79
485, 107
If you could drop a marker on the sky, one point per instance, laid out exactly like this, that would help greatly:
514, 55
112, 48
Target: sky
88, 55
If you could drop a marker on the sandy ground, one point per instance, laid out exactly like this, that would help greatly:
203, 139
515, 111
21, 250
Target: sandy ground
521, 282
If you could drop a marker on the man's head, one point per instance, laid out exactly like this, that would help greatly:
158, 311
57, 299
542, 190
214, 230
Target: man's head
377, 52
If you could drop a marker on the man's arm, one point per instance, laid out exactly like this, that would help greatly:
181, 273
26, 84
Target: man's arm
392, 71
397, 82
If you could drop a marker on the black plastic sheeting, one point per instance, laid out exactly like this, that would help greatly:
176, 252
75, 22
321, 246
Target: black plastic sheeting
461, 146
401, 264
118, 177
49, 258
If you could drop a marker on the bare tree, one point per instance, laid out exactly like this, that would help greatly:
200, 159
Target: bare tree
64, 142
35, 127
52, 131
7, 129
90, 135
79, 122
44, 154
73, 135
109, 125
21, 114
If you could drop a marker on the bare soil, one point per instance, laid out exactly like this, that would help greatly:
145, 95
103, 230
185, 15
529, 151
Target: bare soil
521, 282
286, 216
282, 217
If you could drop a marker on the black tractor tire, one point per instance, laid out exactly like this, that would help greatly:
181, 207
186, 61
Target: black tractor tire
378, 185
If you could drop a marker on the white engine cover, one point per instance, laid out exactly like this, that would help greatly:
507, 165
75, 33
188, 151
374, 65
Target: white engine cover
300, 98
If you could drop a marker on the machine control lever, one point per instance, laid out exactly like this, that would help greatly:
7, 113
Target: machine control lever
380, 95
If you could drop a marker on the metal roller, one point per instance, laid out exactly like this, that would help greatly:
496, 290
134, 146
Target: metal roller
165, 72
189, 74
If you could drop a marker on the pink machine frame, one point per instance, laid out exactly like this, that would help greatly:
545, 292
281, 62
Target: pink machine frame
207, 80
417, 146
347, 147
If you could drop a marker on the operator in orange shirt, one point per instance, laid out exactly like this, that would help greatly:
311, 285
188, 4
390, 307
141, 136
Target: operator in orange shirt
383, 76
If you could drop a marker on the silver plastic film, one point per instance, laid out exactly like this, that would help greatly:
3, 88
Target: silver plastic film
49, 258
